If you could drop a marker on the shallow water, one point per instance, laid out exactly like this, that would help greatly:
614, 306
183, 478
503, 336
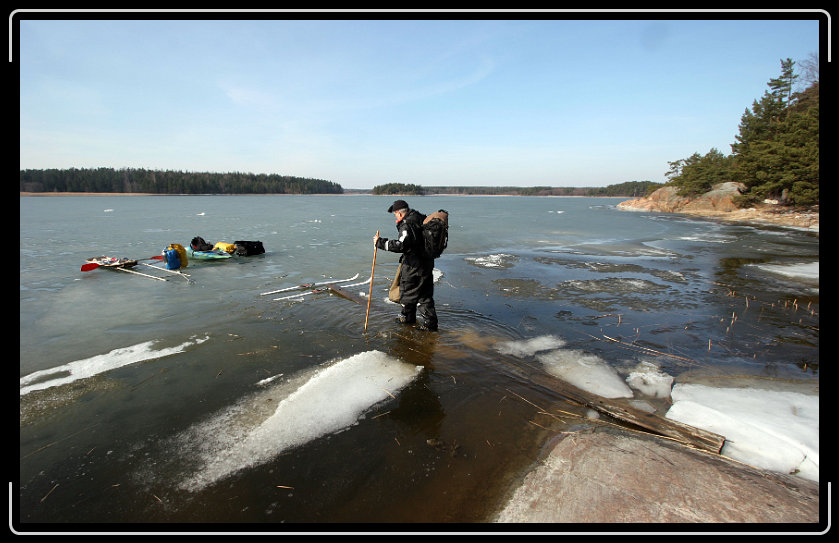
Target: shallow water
161, 383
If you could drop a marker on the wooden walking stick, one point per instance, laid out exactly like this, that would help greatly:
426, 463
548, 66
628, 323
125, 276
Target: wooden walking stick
373, 271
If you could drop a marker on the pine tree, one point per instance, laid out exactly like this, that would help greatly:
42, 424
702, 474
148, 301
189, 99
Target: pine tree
776, 150
698, 174
782, 86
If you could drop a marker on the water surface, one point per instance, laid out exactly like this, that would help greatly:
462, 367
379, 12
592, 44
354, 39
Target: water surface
202, 401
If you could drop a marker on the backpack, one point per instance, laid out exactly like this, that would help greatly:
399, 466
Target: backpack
435, 233
249, 248
198, 244
175, 257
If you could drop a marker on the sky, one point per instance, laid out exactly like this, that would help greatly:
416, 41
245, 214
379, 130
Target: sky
495, 99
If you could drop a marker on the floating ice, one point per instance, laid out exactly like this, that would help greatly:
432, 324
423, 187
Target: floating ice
776, 430
809, 270
530, 346
647, 379
612, 285
492, 261
642, 405
330, 400
709, 237
268, 380
88, 367
769, 429
585, 371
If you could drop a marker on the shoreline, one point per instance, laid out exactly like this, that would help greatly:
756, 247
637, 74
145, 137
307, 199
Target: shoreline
762, 216
616, 477
52, 194
348, 192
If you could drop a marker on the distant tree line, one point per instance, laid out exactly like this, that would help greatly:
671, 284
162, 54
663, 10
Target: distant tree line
169, 182
128, 180
398, 188
629, 188
776, 153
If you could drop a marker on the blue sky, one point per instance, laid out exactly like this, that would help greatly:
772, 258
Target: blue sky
365, 102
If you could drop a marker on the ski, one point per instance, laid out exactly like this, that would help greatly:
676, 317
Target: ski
321, 289
176, 272
126, 270
173, 272
308, 285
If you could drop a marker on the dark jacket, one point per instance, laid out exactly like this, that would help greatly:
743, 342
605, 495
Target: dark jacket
416, 281
408, 240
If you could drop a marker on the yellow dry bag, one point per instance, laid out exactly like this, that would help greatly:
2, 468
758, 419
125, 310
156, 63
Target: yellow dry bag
226, 247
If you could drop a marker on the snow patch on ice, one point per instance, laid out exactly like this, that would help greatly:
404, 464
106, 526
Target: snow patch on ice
649, 380
500, 260
330, 400
769, 429
776, 430
89, 367
529, 347
586, 371
806, 271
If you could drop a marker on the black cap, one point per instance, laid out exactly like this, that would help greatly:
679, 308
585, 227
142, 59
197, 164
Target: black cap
397, 205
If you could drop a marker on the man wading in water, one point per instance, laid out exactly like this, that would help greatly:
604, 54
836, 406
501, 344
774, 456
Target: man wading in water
416, 282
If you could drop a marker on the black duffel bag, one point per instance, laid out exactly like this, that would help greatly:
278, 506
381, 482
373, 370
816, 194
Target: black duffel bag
248, 248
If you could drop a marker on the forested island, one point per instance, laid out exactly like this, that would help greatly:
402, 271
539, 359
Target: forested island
138, 180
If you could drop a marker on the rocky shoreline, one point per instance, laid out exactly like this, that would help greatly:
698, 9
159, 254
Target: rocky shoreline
719, 204
606, 478
610, 478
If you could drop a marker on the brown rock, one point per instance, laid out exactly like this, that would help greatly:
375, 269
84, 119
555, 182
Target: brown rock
719, 204
720, 198
610, 476
666, 199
